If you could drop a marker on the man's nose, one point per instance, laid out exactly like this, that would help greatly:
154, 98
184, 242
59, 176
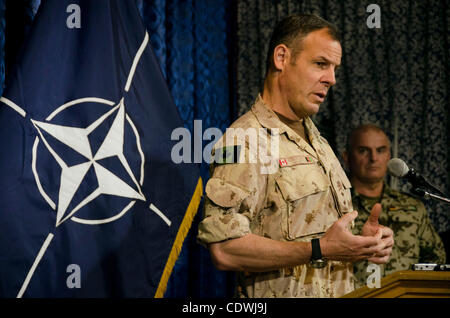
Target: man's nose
329, 77
373, 156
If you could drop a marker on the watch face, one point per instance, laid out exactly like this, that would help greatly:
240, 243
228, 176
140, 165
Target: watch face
319, 263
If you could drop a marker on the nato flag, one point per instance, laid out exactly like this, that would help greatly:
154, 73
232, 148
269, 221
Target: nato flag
92, 204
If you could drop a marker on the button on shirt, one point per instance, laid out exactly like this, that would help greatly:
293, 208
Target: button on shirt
297, 201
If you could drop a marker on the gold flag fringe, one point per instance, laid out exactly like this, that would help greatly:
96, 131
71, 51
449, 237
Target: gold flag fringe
181, 235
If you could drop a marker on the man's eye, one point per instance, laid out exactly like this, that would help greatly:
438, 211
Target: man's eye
321, 64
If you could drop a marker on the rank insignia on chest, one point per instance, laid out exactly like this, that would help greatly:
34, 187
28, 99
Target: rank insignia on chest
296, 160
403, 207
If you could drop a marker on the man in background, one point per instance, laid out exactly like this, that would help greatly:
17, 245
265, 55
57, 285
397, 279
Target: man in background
416, 241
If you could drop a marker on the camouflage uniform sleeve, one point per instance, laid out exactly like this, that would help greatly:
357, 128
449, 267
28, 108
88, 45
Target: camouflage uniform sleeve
234, 195
431, 246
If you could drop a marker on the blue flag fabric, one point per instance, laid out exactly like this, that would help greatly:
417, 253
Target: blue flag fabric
91, 203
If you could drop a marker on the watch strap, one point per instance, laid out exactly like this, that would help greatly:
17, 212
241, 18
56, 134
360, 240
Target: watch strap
316, 252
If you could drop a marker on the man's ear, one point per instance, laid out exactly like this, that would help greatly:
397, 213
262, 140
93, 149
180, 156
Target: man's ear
281, 55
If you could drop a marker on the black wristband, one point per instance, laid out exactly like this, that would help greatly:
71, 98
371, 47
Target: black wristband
316, 252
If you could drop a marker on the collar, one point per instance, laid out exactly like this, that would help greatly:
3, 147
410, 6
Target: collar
269, 120
387, 192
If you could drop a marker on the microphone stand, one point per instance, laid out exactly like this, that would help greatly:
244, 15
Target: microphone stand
425, 194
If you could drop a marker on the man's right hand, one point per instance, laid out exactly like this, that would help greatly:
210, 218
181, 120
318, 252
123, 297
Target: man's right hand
340, 244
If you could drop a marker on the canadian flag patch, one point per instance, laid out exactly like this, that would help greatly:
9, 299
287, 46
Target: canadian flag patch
283, 162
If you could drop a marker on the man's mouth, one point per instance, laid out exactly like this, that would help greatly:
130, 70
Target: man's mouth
320, 96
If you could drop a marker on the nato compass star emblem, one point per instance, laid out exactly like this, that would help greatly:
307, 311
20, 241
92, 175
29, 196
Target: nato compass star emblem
77, 139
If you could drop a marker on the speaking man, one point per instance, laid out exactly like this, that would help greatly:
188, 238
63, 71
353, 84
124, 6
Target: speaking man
286, 230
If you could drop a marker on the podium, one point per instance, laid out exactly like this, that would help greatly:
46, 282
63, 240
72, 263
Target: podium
408, 284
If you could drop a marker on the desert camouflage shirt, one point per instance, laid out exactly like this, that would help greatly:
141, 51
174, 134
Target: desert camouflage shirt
298, 201
416, 241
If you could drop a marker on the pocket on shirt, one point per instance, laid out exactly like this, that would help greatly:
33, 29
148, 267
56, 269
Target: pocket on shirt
406, 231
305, 189
299, 181
224, 193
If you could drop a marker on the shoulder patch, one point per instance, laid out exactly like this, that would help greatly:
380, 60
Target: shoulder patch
227, 154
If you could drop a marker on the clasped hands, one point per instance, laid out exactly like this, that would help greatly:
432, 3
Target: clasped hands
374, 244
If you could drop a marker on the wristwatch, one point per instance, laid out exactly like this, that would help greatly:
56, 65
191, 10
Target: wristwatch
316, 256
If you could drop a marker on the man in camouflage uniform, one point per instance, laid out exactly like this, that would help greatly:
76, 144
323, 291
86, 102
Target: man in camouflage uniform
416, 241
263, 217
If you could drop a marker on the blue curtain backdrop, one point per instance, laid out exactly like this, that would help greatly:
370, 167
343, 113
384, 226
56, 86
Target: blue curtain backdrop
190, 40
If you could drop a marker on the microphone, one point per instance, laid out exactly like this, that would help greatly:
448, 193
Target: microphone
398, 168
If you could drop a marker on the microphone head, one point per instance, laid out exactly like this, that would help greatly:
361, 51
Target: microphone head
397, 167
